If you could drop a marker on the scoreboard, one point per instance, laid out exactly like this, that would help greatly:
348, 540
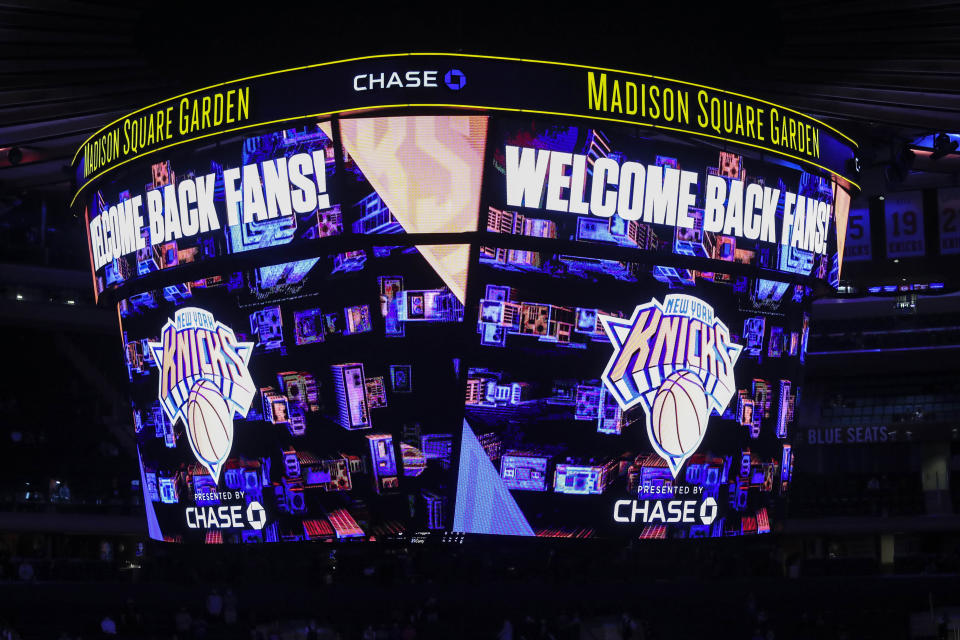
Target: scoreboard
463, 294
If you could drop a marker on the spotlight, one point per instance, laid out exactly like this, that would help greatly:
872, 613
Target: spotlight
943, 146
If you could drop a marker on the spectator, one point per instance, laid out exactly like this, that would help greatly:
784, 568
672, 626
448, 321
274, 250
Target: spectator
108, 626
230, 608
326, 632
506, 630
199, 628
25, 571
132, 619
7, 632
214, 605
545, 632
627, 626
182, 622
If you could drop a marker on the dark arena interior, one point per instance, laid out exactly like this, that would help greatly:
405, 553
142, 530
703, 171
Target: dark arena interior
663, 342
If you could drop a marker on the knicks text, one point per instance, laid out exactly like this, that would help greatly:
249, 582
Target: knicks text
195, 347
682, 333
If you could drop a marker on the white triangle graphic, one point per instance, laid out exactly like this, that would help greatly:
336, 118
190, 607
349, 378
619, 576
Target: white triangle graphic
428, 171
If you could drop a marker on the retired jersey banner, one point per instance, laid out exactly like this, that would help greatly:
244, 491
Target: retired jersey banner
859, 246
948, 217
903, 215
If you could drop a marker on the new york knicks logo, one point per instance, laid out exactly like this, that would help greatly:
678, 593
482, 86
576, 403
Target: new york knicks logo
204, 381
675, 359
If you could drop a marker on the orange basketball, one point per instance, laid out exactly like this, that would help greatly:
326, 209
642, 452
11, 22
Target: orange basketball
680, 413
209, 422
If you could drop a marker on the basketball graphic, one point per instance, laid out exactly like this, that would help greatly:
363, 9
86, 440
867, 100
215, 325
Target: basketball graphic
675, 359
210, 423
204, 381
680, 413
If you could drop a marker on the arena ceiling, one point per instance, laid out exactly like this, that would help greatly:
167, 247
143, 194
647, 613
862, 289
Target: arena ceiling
885, 72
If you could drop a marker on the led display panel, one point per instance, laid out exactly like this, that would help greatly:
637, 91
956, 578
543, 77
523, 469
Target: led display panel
604, 405
315, 409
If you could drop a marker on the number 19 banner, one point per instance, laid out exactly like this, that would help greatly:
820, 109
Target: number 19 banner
904, 223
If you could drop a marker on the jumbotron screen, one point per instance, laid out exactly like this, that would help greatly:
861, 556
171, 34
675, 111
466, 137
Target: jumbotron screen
421, 314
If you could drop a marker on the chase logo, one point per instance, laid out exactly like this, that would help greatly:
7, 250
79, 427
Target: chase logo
226, 517
665, 511
256, 516
676, 360
454, 79
204, 381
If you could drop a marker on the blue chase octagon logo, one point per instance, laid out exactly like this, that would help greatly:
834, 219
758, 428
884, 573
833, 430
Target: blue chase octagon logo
455, 79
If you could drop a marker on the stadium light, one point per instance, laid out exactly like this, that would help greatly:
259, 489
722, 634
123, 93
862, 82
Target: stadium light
943, 146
